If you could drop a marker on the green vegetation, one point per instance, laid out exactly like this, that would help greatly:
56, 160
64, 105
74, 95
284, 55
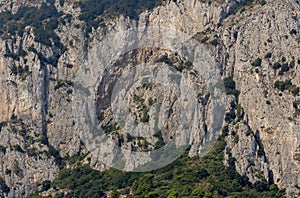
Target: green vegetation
276, 65
241, 7
13, 117
18, 148
61, 2
186, 176
292, 64
110, 128
43, 19
249, 132
53, 152
125, 7
2, 149
143, 144
235, 137
230, 87
46, 185
230, 116
146, 116
148, 86
92, 9
142, 107
284, 68
86, 182
257, 62
21, 71
294, 90
67, 83
268, 55
3, 187
160, 142
206, 38
296, 105
283, 85
173, 60
287, 85
293, 32
262, 2
214, 42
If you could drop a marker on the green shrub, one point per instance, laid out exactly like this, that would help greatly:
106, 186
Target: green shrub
241, 7
225, 130
114, 194
14, 69
293, 32
206, 38
283, 85
262, 2
215, 42
284, 68
276, 65
230, 87
61, 2
160, 142
198, 192
18, 148
110, 128
3, 186
229, 117
236, 138
294, 90
46, 185
198, 177
292, 64
172, 194
44, 140
43, 19
165, 59
249, 132
91, 9
268, 55
287, 85
257, 62
2, 149
261, 186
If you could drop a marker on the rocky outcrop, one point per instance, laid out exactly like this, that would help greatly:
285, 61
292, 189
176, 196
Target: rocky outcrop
41, 103
270, 112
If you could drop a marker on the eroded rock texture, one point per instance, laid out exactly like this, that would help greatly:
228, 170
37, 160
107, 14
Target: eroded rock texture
243, 39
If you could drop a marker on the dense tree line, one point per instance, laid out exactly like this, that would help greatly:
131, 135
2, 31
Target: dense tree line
44, 20
91, 9
196, 177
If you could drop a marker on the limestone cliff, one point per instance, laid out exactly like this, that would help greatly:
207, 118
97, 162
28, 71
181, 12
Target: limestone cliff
255, 42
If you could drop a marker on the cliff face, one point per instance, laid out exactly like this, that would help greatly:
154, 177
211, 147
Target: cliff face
270, 113
42, 119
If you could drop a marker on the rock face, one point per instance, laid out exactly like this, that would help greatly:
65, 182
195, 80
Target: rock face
42, 118
270, 113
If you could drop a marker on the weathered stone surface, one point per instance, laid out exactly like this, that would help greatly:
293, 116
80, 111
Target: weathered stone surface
42, 99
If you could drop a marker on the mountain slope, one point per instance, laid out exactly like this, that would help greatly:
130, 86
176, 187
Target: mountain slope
45, 46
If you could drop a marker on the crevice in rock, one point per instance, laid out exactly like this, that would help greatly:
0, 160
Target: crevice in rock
261, 151
44, 101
